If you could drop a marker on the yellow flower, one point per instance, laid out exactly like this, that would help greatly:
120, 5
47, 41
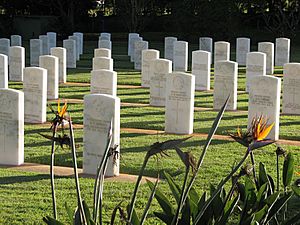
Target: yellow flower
255, 136
260, 128
61, 112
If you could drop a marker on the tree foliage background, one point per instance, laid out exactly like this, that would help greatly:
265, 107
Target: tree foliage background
213, 17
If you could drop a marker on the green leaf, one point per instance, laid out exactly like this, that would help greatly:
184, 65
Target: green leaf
293, 220
162, 201
288, 170
278, 206
296, 190
272, 198
86, 211
193, 196
262, 193
51, 221
173, 186
164, 217
145, 213
258, 216
230, 205
250, 193
70, 213
263, 177
134, 219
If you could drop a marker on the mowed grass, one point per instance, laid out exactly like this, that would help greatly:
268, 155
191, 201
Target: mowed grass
26, 197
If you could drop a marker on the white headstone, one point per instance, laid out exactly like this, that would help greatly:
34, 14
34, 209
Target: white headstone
222, 51
105, 36
201, 61
15, 40
159, 69
61, 54
130, 37
4, 46
16, 63
102, 52
80, 37
225, 84
133, 40
50, 63
138, 48
147, 56
291, 88
179, 115
70, 46
264, 100
104, 82
52, 39
104, 44
180, 56
77, 46
100, 111
206, 44
11, 127
103, 63
35, 51
3, 71
169, 47
282, 52
256, 66
45, 44
268, 48
35, 94
242, 49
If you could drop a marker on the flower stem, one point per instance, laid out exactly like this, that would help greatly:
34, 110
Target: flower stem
52, 171
254, 172
79, 199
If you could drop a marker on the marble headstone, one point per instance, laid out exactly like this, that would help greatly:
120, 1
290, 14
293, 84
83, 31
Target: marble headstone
264, 100
3, 71
52, 39
242, 49
201, 61
15, 40
256, 66
103, 63
130, 37
291, 89
282, 51
104, 82
102, 52
100, 113
133, 41
35, 51
147, 57
35, 94
105, 36
225, 84
268, 49
70, 46
11, 127
169, 47
180, 56
206, 44
61, 54
138, 48
4, 46
179, 115
80, 37
45, 44
159, 69
77, 46
16, 63
50, 63
222, 51
105, 44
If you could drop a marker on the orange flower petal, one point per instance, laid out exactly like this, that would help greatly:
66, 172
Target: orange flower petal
265, 132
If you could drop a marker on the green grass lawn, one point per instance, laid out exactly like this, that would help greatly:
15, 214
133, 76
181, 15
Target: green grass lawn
26, 198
